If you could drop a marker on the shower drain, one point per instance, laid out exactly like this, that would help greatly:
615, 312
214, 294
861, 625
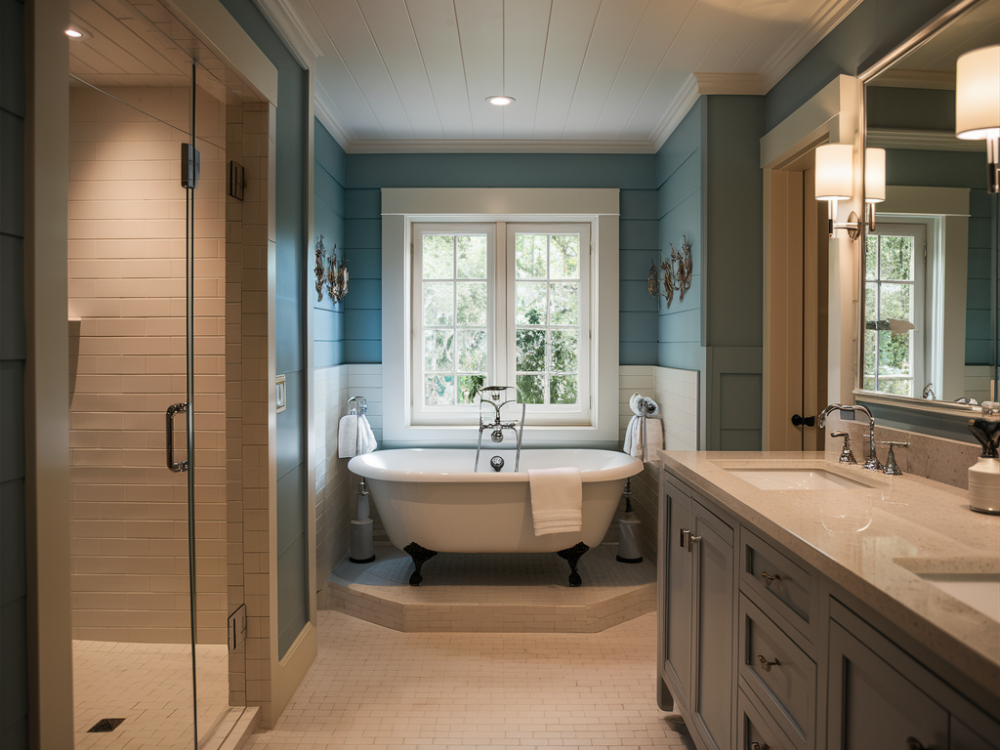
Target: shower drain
106, 725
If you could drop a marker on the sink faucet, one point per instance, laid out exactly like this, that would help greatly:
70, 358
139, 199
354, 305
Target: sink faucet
493, 395
872, 462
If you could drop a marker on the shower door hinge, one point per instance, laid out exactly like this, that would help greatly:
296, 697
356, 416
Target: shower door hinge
237, 627
190, 166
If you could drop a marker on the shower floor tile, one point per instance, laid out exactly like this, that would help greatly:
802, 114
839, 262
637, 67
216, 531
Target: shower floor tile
375, 689
148, 685
515, 593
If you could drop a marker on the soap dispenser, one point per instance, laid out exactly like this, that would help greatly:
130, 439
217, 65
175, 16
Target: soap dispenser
984, 476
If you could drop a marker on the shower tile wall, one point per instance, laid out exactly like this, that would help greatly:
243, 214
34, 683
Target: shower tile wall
126, 289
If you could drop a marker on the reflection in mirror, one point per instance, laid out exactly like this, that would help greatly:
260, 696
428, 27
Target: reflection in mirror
931, 261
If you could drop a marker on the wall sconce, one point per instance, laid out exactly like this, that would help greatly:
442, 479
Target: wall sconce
330, 274
977, 105
874, 183
835, 182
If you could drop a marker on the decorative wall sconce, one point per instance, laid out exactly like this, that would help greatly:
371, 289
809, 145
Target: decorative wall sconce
977, 105
835, 182
677, 272
330, 274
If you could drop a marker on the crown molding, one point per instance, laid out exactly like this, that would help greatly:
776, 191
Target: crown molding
921, 140
731, 84
322, 106
676, 112
484, 146
797, 47
289, 24
916, 79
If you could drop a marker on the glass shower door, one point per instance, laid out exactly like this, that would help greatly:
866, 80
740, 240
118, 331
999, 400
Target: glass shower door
147, 295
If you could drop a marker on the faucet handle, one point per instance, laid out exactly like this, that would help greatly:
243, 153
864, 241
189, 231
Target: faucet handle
846, 455
891, 468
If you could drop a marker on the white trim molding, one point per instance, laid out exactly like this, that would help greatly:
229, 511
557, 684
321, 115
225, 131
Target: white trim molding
746, 84
494, 146
921, 140
402, 206
676, 112
292, 29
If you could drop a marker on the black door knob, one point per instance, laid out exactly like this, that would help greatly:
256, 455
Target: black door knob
798, 421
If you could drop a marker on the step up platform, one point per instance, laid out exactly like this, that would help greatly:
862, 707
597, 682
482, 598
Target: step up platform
492, 592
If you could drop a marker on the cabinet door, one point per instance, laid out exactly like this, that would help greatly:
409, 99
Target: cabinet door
713, 626
873, 707
963, 738
677, 638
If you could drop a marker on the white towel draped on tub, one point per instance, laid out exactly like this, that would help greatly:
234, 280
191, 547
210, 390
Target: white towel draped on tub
556, 500
355, 436
643, 443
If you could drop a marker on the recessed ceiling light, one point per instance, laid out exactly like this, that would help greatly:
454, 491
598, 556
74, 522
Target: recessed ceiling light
500, 101
75, 32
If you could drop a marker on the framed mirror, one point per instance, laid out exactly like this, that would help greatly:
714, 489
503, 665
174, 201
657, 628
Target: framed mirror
930, 324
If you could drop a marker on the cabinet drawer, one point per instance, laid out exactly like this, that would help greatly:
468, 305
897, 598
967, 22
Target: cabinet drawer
768, 575
756, 730
779, 672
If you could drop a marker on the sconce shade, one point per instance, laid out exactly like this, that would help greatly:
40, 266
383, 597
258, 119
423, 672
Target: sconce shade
977, 98
874, 175
834, 172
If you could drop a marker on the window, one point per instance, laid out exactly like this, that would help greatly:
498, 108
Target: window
501, 304
894, 308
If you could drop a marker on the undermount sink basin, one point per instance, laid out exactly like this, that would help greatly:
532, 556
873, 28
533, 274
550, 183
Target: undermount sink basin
796, 479
980, 591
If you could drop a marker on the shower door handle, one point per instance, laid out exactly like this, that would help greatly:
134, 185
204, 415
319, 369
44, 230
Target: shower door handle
171, 411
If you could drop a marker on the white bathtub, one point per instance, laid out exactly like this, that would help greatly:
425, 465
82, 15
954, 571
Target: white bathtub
431, 497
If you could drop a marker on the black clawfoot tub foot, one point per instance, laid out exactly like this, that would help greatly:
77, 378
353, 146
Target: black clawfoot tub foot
572, 556
420, 555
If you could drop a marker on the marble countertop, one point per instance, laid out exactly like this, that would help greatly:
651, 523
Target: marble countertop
873, 541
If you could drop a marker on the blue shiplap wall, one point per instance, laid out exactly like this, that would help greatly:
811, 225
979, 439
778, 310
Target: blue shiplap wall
710, 188
293, 254
680, 212
871, 31
633, 174
329, 178
13, 576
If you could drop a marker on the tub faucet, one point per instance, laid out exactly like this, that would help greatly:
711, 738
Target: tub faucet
872, 462
493, 396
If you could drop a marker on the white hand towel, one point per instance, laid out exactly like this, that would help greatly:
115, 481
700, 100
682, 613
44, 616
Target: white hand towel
556, 500
355, 436
634, 442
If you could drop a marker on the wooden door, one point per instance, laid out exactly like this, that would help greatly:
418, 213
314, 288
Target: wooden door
796, 314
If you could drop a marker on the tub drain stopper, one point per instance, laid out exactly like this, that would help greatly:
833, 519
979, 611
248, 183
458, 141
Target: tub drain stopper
497, 463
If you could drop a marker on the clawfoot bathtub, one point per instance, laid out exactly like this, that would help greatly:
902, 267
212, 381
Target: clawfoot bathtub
430, 500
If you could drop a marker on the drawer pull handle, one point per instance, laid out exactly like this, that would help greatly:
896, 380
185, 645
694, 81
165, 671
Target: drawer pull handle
766, 665
685, 535
758, 746
912, 743
768, 578
694, 539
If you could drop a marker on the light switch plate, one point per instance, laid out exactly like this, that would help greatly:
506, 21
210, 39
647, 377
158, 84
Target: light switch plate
279, 393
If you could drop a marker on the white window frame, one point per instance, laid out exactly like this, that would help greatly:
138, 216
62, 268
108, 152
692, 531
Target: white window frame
443, 415
550, 414
402, 208
920, 287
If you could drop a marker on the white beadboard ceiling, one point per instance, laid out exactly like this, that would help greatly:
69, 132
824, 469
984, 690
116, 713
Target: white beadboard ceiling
588, 75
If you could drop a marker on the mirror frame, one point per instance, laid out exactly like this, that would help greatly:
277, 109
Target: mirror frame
941, 418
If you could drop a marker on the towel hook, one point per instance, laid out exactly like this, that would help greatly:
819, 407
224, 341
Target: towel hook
361, 402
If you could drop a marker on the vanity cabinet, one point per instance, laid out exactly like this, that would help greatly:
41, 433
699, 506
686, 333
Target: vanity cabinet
697, 627
759, 650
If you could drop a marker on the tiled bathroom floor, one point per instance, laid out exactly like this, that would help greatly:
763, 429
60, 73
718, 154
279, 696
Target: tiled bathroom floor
372, 688
148, 685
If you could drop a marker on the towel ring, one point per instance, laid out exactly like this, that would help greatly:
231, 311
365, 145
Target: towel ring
362, 404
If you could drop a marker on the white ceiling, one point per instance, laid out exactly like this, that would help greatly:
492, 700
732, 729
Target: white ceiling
586, 74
